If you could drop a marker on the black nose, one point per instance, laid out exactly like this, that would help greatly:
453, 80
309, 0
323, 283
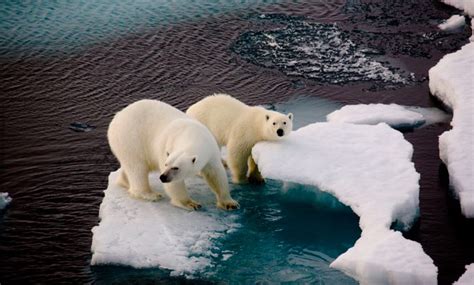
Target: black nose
280, 132
164, 178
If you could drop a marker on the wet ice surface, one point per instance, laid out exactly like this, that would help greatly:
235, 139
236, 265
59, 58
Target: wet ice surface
323, 52
284, 232
397, 116
451, 80
368, 168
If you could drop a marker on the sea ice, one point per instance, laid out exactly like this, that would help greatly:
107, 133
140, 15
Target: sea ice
452, 81
453, 23
368, 168
5, 199
466, 5
144, 234
394, 115
468, 277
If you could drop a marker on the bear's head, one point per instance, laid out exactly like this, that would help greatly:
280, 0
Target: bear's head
179, 166
277, 125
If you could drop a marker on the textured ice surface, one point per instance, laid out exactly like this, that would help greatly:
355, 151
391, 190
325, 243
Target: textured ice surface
466, 5
453, 23
452, 81
468, 277
4, 200
312, 50
368, 168
397, 116
144, 234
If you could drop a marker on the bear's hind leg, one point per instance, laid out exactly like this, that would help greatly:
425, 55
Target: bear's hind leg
122, 180
254, 175
139, 184
179, 196
237, 161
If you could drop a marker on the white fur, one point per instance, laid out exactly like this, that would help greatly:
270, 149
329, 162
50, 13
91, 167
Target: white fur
151, 135
239, 127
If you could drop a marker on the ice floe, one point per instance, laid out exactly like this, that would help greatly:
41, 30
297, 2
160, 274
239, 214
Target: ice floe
5, 199
368, 168
468, 277
396, 116
453, 23
143, 234
466, 5
452, 81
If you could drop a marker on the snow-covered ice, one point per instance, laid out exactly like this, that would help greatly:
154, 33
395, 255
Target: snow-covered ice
466, 5
368, 168
453, 23
394, 115
5, 199
452, 81
468, 277
145, 234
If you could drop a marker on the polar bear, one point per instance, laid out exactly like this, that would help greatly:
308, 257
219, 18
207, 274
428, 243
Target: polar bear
151, 135
239, 127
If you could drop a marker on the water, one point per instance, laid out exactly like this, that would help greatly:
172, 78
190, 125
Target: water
80, 62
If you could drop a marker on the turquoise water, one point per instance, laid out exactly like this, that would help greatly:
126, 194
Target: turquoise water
288, 233
52, 27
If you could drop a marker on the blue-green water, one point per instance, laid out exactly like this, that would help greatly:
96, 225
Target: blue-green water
288, 233
58, 27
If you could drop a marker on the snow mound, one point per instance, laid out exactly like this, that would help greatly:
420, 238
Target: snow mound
453, 23
368, 168
468, 277
156, 234
5, 199
466, 5
394, 115
452, 81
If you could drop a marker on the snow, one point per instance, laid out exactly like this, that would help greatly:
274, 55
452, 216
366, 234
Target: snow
453, 23
368, 168
156, 234
394, 115
5, 199
451, 80
466, 5
468, 277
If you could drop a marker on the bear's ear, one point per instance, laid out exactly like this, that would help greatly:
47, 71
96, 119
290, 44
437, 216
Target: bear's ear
268, 117
290, 116
193, 160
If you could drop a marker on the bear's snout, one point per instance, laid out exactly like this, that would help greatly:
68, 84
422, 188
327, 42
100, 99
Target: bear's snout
164, 178
280, 132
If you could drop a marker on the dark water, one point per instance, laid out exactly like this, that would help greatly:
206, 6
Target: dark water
56, 176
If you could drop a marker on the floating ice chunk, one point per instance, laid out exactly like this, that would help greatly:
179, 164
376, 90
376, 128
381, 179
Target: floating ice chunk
452, 80
156, 234
453, 23
466, 5
368, 168
394, 115
468, 277
5, 199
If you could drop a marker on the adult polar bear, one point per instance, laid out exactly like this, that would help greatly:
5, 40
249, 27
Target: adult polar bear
240, 127
151, 135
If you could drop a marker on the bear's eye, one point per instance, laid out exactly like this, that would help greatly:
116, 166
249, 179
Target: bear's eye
274, 123
284, 123
174, 168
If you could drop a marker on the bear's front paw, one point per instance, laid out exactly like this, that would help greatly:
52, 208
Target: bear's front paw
149, 196
256, 179
188, 205
240, 180
228, 205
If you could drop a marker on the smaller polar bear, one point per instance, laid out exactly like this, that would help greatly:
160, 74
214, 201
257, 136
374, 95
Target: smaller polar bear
151, 135
239, 127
